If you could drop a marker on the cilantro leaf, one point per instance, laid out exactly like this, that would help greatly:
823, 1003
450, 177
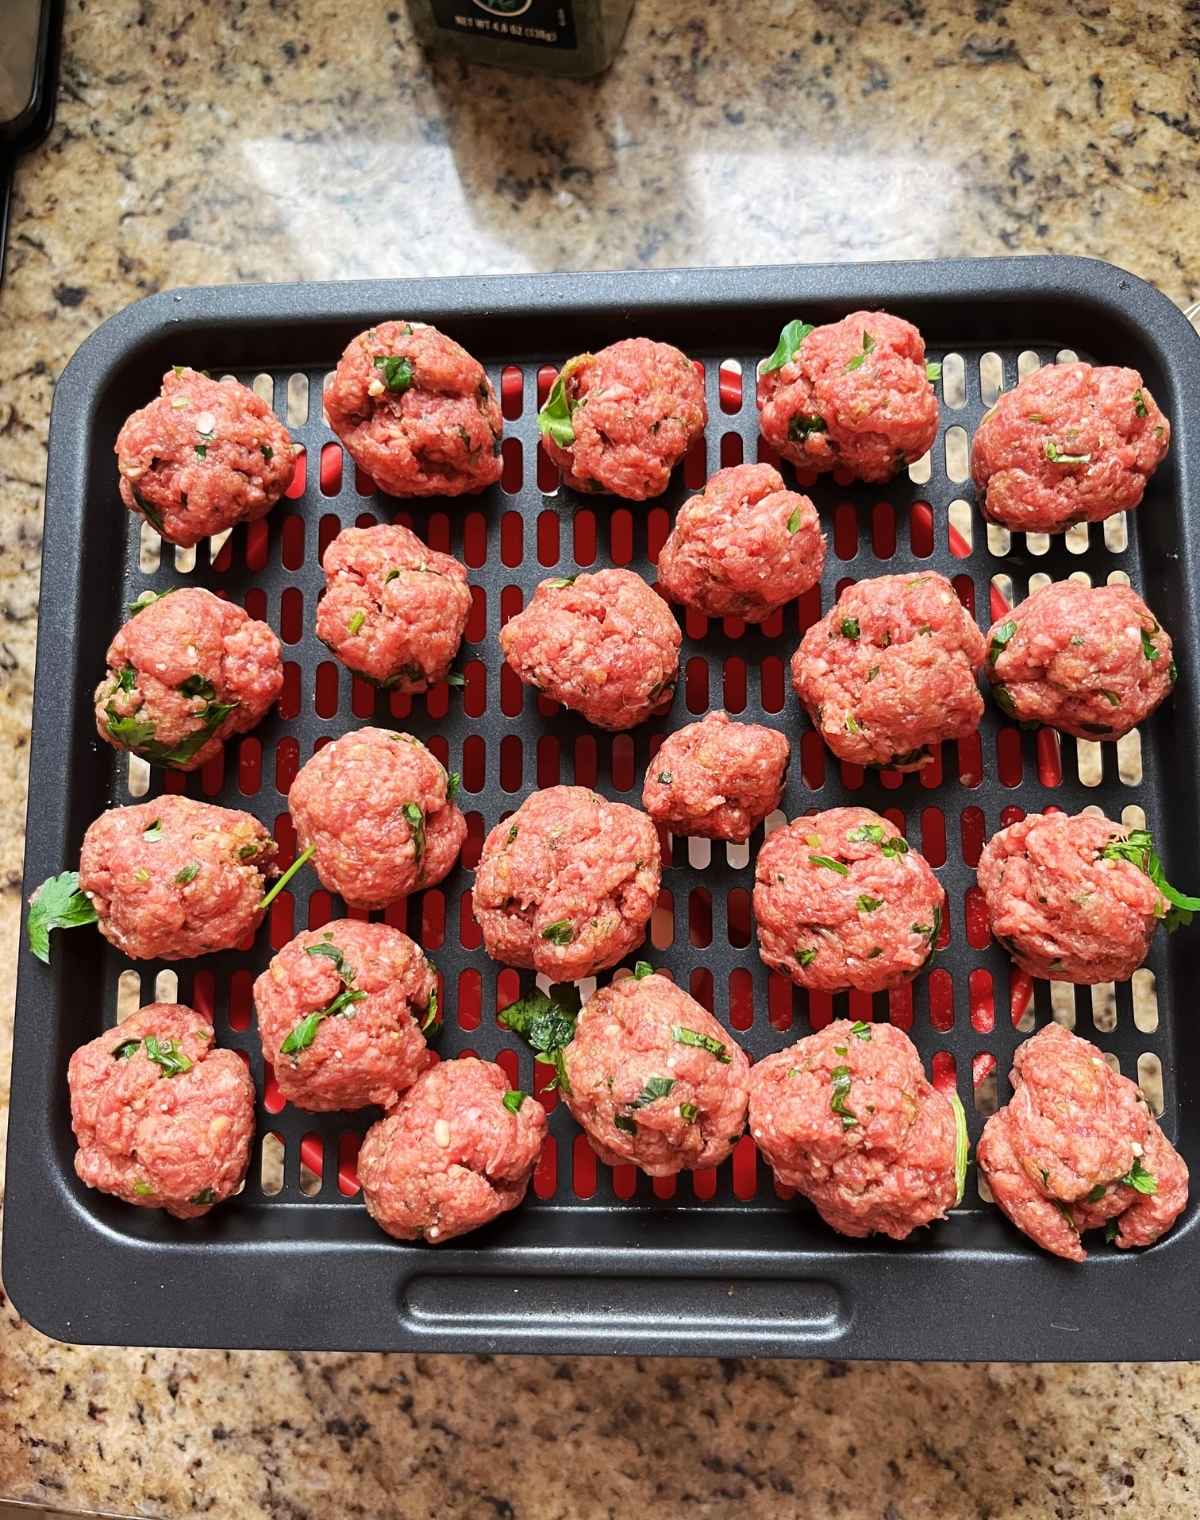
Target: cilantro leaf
643, 969
397, 372
555, 418
513, 1099
1138, 849
1139, 1178
57, 904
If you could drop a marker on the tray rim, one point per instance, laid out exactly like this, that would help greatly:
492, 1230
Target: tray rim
873, 1326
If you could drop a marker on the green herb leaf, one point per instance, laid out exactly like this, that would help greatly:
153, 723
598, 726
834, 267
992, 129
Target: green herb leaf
278, 885
860, 359
126, 1050
962, 1148
355, 622
828, 864
188, 873
666, 777
850, 628
302, 1035
154, 832
397, 372
204, 1196
851, 723
197, 686
57, 904
432, 1020
794, 521
866, 833
416, 824
151, 513
1138, 849
513, 1099
1149, 647
624, 1122
453, 786
554, 419
933, 372
1140, 1179
866, 904
456, 678
806, 956
547, 1025
840, 1076
143, 1189
330, 952
790, 339
860, 1030
1096, 1193
559, 581
1004, 700
512, 834
202, 449
126, 678
1110, 1231
168, 1055
1000, 638
896, 845
1139, 404
1173, 672
643, 969
1056, 456
689, 1113
655, 1088
682, 1035
146, 598
560, 933
801, 427
267, 452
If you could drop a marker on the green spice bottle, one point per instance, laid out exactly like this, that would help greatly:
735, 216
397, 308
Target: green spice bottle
575, 38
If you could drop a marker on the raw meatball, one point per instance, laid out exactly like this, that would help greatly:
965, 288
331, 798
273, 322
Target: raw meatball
185, 673
1072, 443
375, 807
173, 878
416, 412
205, 456
341, 1013
1077, 1148
567, 884
841, 901
164, 1120
716, 779
745, 546
1065, 902
605, 645
457, 1150
1089, 660
847, 1118
853, 395
890, 671
622, 419
393, 610
654, 1079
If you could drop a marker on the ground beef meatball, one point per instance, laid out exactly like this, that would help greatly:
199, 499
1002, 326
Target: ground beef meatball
843, 902
375, 808
416, 412
163, 1119
1089, 660
622, 419
852, 396
567, 885
847, 1118
1068, 897
1072, 443
173, 878
205, 456
654, 1079
457, 1151
716, 779
890, 671
605, 645
185, 673
1077, 1148
393, 610
745, 546
341, 1012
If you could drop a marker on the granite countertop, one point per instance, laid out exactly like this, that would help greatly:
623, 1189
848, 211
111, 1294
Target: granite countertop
197, 143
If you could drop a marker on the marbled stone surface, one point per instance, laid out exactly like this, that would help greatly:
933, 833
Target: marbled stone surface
310, 140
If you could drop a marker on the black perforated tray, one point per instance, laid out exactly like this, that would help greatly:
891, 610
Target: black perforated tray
632, 1266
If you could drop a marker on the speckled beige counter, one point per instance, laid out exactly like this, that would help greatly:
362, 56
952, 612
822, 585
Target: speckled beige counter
309, 139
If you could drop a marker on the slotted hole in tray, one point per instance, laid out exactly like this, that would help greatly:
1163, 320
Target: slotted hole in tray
504, 740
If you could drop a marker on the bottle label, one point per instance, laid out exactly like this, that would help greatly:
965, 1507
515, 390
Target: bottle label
535, 23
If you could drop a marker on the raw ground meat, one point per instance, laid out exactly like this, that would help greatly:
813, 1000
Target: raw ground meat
173, 878
1061, 907
1072, 443
163, 1119
745, 546
567, 885
624, 417
351, 999
604, 644
853, 396
847, 1118
1092, 661
393, 610
843, 902
204, 456
889, 671
716, 779
452, 1155
416, 412
654, 1079
375, 806
186, 672
1077, 1148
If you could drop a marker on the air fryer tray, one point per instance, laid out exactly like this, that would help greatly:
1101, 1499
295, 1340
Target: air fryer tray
600, 1260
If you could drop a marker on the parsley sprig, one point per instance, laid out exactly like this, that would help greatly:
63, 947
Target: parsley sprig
1138, 849
57, 904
